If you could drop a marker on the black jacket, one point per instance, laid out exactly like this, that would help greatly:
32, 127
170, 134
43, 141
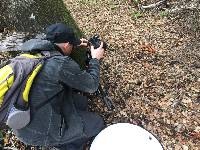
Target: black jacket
59, 76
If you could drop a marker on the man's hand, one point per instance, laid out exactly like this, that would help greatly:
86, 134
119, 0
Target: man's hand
97, 53
84, 42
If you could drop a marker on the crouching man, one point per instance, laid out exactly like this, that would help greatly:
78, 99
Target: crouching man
59, 116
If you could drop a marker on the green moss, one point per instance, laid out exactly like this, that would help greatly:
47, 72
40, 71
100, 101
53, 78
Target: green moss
52, 11
45, 13
136, 15
136, 1
88, 2
163, 14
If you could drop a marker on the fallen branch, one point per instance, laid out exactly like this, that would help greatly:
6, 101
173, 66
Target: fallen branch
184, 8
151, 6
10, 148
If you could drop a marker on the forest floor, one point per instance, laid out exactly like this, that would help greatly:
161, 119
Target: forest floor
152, 65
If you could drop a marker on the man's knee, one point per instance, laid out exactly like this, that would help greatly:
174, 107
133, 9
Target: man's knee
93, 123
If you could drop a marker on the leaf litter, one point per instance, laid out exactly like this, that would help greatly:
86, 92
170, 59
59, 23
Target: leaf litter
151, 67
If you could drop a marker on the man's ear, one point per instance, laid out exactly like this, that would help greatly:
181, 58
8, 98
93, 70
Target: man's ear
66, 45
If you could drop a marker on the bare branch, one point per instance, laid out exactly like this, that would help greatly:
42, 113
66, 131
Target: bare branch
162, 2
183, 8
10, 148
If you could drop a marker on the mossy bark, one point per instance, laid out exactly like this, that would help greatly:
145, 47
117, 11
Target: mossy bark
33, 16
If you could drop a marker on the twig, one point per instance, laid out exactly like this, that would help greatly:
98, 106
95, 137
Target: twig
183, 8
10, 148
154, 5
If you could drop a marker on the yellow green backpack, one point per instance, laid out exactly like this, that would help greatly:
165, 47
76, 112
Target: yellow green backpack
16, 78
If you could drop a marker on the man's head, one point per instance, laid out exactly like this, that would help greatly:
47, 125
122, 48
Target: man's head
63, 36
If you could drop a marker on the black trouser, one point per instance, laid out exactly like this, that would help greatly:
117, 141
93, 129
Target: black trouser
93, 124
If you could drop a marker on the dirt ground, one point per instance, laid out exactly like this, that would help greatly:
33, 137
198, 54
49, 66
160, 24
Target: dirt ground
151, 68
152, 65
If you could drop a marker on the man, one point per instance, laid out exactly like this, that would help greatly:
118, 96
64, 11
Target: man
59, 115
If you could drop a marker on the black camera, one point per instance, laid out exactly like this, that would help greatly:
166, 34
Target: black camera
96, 42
